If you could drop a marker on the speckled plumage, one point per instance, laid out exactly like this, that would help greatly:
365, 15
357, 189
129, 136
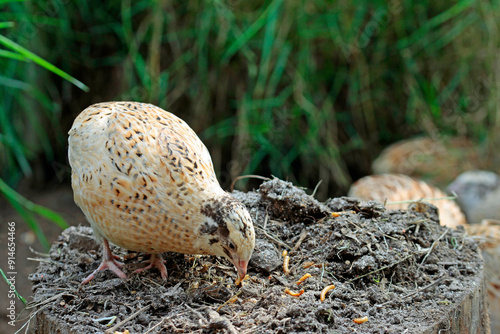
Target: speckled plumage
397, 188
146, 182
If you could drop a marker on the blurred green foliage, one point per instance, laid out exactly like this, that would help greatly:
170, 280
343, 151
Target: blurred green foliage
25, 110
27, 107
304, 90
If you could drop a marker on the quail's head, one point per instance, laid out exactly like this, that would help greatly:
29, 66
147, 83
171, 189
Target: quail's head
228, 231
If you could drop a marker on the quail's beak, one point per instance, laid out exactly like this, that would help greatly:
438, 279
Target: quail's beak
241, 266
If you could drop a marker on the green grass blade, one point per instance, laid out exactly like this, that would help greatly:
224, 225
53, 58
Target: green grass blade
251, 31
434, 22
13, 83
13, 196
27, 216
267, 47
452, 34
12, 287
45, 64
4, 25
50, 215
12, 55
279, 68
2, 2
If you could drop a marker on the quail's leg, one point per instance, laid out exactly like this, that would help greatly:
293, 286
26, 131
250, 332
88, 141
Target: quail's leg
108, 262
155, 261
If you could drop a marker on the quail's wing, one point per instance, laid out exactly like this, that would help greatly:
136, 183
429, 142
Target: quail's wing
135, 152
110, 154
184, 155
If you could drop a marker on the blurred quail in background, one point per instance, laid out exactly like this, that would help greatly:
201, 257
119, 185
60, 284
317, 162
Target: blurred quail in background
437, 161
393, 189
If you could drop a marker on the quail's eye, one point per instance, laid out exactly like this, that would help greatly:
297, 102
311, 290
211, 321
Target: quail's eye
231, 246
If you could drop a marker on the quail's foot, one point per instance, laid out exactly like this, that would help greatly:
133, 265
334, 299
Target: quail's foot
155, 261
108, 262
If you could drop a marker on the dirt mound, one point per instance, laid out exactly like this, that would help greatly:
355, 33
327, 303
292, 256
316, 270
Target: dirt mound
399, 269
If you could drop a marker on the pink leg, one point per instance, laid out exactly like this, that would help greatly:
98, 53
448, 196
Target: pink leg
108, 262
155, 261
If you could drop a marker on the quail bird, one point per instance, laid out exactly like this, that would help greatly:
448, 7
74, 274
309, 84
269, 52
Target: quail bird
437, 161
145, 182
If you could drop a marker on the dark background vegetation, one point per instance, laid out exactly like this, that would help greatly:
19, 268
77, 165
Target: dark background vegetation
303, 90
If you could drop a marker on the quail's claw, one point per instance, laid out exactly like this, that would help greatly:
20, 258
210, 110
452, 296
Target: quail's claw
155, 261
112, 265
109, 262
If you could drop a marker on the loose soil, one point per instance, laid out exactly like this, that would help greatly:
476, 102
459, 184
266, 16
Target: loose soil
399, 269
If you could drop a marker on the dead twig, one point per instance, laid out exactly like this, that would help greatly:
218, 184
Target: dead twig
115, 327
302, 236
383, 235
247, 177
44, 260
230, 300
202, 318
422, 199
411, 294
50, 299
163, 320
45, 304
385, 267
276, 240
156, 325
432, 247
316, 188
38, 253
32, 315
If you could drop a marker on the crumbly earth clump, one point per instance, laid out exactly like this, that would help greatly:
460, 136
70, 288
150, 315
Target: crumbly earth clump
399, 269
